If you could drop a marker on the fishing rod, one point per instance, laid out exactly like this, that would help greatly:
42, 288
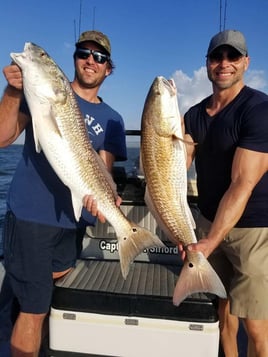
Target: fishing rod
222, 25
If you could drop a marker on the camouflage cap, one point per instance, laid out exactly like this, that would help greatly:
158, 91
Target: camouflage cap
95, 36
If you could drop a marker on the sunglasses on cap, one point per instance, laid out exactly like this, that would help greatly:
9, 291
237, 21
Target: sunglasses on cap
84, 53
230, 54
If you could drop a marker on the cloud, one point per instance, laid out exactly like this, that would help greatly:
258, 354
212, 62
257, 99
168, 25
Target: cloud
192, 90
256, 79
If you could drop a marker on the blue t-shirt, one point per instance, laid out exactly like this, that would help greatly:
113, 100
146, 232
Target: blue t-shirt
242, 123
37, 194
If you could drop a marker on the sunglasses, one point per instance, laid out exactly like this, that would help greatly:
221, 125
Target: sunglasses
230, 55
83, 53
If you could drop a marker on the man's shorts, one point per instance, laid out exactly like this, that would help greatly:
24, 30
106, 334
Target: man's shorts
241, 261
32, 252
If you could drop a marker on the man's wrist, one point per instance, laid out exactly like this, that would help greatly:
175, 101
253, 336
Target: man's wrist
13, 91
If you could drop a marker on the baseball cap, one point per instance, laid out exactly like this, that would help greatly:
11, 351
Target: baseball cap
232, 38
95, 36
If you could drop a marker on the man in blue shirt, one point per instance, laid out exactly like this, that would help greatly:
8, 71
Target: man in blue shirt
40, 239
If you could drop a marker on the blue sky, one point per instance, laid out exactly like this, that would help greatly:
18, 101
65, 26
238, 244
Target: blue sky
149, 38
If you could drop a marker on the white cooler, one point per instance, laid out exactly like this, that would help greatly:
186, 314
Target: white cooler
95, 312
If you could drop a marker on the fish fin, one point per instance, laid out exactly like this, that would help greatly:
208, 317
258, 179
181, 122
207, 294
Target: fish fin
61, 92
134, 243
185, 141
196, 278
38, 147
77, 206
58, 125
177, 134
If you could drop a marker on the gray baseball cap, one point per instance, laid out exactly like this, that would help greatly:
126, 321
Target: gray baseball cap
231, 38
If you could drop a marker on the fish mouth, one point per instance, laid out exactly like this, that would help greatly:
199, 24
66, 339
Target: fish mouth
18, 57
171, 82
170, 85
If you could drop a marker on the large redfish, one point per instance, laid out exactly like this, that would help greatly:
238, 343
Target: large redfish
163, 159
60, 131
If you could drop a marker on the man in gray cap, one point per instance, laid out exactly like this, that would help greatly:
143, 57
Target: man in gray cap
230, 128
48, 238
232, 38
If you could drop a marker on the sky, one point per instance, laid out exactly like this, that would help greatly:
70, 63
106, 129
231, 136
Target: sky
149, 38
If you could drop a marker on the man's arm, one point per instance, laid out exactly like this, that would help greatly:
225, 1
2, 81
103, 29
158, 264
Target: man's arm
190, 149
12, 121
108, 158
247, 169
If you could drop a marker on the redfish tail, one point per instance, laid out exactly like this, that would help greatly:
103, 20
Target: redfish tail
133, 243
197, 277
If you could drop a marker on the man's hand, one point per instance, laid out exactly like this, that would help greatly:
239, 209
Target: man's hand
204, 246
13, 76
181, 250
90, 203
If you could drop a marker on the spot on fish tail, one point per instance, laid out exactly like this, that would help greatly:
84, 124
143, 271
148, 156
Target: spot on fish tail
134, 230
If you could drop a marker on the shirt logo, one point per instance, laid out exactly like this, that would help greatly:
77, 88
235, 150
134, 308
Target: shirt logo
93, 130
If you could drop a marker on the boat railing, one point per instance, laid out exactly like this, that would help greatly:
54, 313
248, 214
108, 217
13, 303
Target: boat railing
131, 182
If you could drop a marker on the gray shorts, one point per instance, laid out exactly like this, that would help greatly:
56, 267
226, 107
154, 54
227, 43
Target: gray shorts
241, 262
